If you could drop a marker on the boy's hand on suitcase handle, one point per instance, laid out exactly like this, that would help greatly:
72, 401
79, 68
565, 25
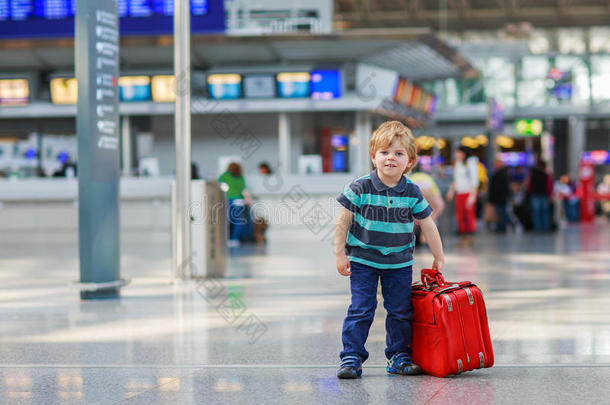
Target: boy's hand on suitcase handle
343, 266
438, 263
432, 278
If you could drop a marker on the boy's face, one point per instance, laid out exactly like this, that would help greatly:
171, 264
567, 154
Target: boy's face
391, 160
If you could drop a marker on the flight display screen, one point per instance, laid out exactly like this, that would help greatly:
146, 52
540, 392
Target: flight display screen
55, 18
14, 91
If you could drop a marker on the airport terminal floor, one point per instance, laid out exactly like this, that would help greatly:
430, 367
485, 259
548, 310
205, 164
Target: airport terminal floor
163, 343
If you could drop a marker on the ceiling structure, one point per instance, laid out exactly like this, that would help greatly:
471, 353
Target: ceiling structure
416, 52
460, 15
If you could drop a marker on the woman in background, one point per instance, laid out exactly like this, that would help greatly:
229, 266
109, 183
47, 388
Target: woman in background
464, 188
238, 197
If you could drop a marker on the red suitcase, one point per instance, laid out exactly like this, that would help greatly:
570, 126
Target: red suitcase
450, 331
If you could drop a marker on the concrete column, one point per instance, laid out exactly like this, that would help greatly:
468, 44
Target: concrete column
182, 120
576, 144
126, 146
364, 127
284, 144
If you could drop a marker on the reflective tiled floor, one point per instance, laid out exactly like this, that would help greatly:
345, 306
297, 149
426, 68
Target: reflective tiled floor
270, 331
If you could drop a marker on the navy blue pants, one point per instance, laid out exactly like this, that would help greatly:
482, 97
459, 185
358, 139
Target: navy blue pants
236, 217
396, 291
540, 213
503, 218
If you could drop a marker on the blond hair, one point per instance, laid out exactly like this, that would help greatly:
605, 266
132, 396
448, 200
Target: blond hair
385, 135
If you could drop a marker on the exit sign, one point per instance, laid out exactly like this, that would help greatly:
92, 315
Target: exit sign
529, 127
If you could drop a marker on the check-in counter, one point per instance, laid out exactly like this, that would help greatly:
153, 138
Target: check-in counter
145, 201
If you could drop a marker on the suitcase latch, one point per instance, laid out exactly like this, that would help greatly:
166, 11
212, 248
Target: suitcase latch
470, 297
448, 300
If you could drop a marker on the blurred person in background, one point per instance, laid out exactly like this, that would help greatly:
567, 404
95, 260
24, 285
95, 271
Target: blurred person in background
603, 188
464, 188
565, 189
499, 195
194, 171
238, 197
68, 170
483, 188
264, 169
540, 188
431, 193
519, 174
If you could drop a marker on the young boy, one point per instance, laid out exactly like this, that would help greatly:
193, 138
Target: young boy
374, 240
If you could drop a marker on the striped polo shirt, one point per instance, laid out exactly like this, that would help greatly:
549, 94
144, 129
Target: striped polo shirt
381, 233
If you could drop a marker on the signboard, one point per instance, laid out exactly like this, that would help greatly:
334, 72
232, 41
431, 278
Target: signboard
596, 157
414, 97
325, 84
495, 117
14, 92
559, 84
131, 88
96, 57
259, 86
293, 84
97, 70
64, 90
55, 18
224, 86
134, 88
529, 127
514, 159
163, 88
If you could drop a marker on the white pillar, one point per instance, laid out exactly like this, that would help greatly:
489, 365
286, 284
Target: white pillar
284, 144
364, 127
182, 119
126, 146
576, 145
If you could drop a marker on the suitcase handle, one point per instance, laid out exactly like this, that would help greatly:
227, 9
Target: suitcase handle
431, 278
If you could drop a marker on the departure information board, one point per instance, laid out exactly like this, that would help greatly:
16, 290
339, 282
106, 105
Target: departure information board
55, 18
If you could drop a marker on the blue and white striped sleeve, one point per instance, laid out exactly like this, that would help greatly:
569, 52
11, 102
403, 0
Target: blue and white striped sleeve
421, 209
350, 199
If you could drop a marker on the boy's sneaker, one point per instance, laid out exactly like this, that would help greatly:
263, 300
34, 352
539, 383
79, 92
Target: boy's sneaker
401, 363
351, 367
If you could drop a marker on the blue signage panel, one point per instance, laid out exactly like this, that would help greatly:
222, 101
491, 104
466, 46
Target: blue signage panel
293, 84
134, 88
325, 84
224, 86
55, 18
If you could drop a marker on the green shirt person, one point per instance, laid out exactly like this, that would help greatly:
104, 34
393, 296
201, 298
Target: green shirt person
238, 197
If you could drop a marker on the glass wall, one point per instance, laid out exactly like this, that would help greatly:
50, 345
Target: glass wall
544, 67
531, 81
531, 89
600, 77
498, 79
